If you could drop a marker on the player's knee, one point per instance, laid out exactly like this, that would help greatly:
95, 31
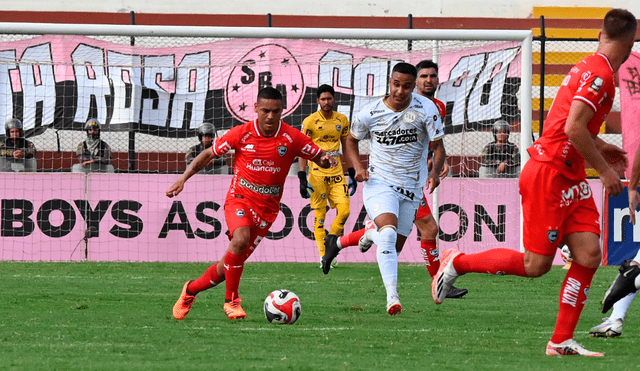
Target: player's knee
386, 237
343, 212
538, 268
596, 257
320, 212
587, 257
240, 240
429, 230
319, 217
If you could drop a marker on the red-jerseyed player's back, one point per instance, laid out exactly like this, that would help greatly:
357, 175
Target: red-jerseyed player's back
590, 81
262, 163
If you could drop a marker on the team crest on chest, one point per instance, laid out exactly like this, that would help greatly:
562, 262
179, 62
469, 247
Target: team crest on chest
338, 127
409, 116
282, 150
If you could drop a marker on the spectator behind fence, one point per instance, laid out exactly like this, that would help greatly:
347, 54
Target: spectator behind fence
94, 154
500, 158
206, 133
17, 153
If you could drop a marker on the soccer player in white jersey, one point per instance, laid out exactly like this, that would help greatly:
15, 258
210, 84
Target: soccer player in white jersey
401, 126
625, 287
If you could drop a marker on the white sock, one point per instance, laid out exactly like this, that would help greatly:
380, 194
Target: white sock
621, 307
385, 240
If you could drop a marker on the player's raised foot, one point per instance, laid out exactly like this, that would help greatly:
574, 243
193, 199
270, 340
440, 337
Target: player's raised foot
365, 242
570, 348
456, 293
446, 276
393, 306
607, 328
182, 307
331, 250
623, 285
234, 310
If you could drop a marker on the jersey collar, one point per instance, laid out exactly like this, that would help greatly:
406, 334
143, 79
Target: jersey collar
384, 100
257, 129
606, 59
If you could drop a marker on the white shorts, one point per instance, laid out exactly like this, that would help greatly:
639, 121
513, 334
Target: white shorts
380, 198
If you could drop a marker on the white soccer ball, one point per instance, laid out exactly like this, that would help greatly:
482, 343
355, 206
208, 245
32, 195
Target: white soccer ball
282, 306
566, 254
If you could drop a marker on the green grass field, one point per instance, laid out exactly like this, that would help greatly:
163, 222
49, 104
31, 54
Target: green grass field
117, 316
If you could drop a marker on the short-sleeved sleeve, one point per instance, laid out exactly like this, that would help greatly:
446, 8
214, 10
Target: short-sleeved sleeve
360, 125
307, 149
345, 126
593, 88
433, 123
223, 144
306, 126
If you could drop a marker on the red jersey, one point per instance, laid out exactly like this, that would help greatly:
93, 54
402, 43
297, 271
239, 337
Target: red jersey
262, 164
590, 81
424, 210
442, 108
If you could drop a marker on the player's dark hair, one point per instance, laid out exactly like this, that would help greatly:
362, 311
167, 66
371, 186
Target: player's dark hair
427, 63
324, 88
619, 23
269, 93
405, 68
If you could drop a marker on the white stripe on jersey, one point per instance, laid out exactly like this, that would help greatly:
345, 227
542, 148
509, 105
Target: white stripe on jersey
399, 139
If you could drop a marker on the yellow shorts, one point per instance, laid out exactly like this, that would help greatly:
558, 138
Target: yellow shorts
328, 188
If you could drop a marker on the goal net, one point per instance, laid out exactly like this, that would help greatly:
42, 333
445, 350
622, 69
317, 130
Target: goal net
152, 88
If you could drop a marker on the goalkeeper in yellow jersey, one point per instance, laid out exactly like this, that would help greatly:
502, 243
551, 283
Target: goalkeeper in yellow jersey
328, 129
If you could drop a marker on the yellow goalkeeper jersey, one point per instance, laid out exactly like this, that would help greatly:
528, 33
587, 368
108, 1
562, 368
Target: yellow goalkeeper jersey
327, 135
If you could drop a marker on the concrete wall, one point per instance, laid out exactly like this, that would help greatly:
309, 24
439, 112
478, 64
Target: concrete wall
391, 8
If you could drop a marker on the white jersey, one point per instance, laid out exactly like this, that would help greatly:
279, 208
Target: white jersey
399, 139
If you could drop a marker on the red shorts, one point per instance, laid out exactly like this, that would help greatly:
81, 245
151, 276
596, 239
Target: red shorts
553, 207
423, 210
238, 213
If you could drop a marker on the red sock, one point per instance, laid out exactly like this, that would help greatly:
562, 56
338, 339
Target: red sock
430, 254
573, 296
233, 266
495, 261
351, 239
209, 279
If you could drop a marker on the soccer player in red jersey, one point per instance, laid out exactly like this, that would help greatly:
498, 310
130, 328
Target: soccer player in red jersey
427, 83
557, 202
264, 151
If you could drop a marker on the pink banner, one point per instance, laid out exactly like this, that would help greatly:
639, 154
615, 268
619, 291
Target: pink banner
44, 218
166, 90
630, 106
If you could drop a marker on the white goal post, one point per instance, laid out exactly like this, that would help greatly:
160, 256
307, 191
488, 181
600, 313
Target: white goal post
151, 87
